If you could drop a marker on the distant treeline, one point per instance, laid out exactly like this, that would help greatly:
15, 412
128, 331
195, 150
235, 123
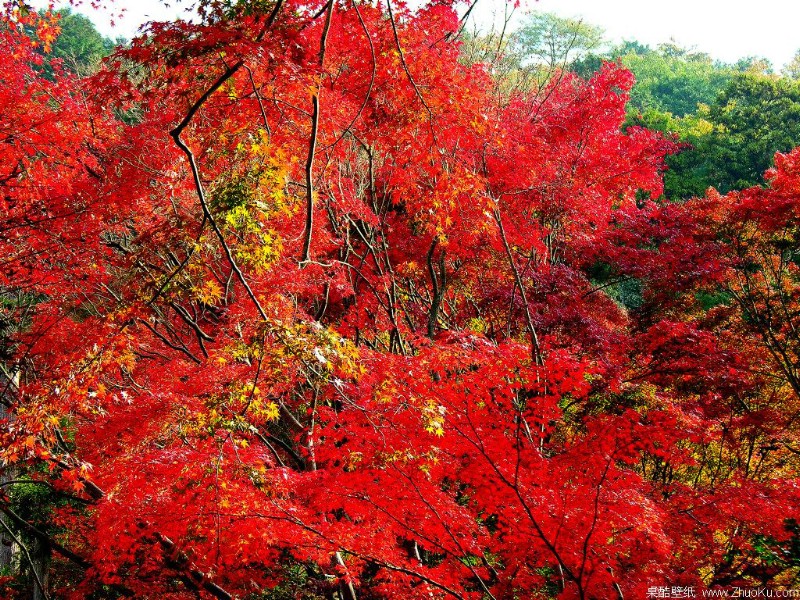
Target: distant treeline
731, 118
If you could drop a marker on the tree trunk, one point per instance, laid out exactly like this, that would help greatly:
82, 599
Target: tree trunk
8, 549
40, 555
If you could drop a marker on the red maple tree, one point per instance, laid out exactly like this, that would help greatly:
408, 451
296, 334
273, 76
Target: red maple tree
303, 302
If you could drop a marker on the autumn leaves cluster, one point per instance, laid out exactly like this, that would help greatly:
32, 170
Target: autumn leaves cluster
302, 304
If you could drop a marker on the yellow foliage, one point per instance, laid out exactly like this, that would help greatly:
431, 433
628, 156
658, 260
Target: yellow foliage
210, 292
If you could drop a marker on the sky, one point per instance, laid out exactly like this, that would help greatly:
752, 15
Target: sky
726, 29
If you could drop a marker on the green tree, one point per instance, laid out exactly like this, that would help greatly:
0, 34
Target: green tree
755, 65
79, 45
549, 40
690, 172
540, 50
754, 117
673, 79
731, 141
792, 68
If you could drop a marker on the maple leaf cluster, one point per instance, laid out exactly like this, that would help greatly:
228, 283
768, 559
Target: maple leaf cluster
297, 302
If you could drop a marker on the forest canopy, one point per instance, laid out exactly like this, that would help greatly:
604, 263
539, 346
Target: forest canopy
334, 300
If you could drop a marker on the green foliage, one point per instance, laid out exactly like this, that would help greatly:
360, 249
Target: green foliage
625, 291
731, 118
34, 503
734, 139
711, 299
731, 141
754, 117
792, 68
544, 46
79, 46
673, 79
771, 555
16, 309
548, 40
688, 173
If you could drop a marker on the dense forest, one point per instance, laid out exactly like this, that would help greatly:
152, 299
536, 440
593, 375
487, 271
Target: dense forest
338, 300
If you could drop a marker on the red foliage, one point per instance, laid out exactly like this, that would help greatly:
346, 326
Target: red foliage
309, 294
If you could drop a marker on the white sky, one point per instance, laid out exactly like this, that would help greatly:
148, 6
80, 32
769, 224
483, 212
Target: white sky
725, 29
